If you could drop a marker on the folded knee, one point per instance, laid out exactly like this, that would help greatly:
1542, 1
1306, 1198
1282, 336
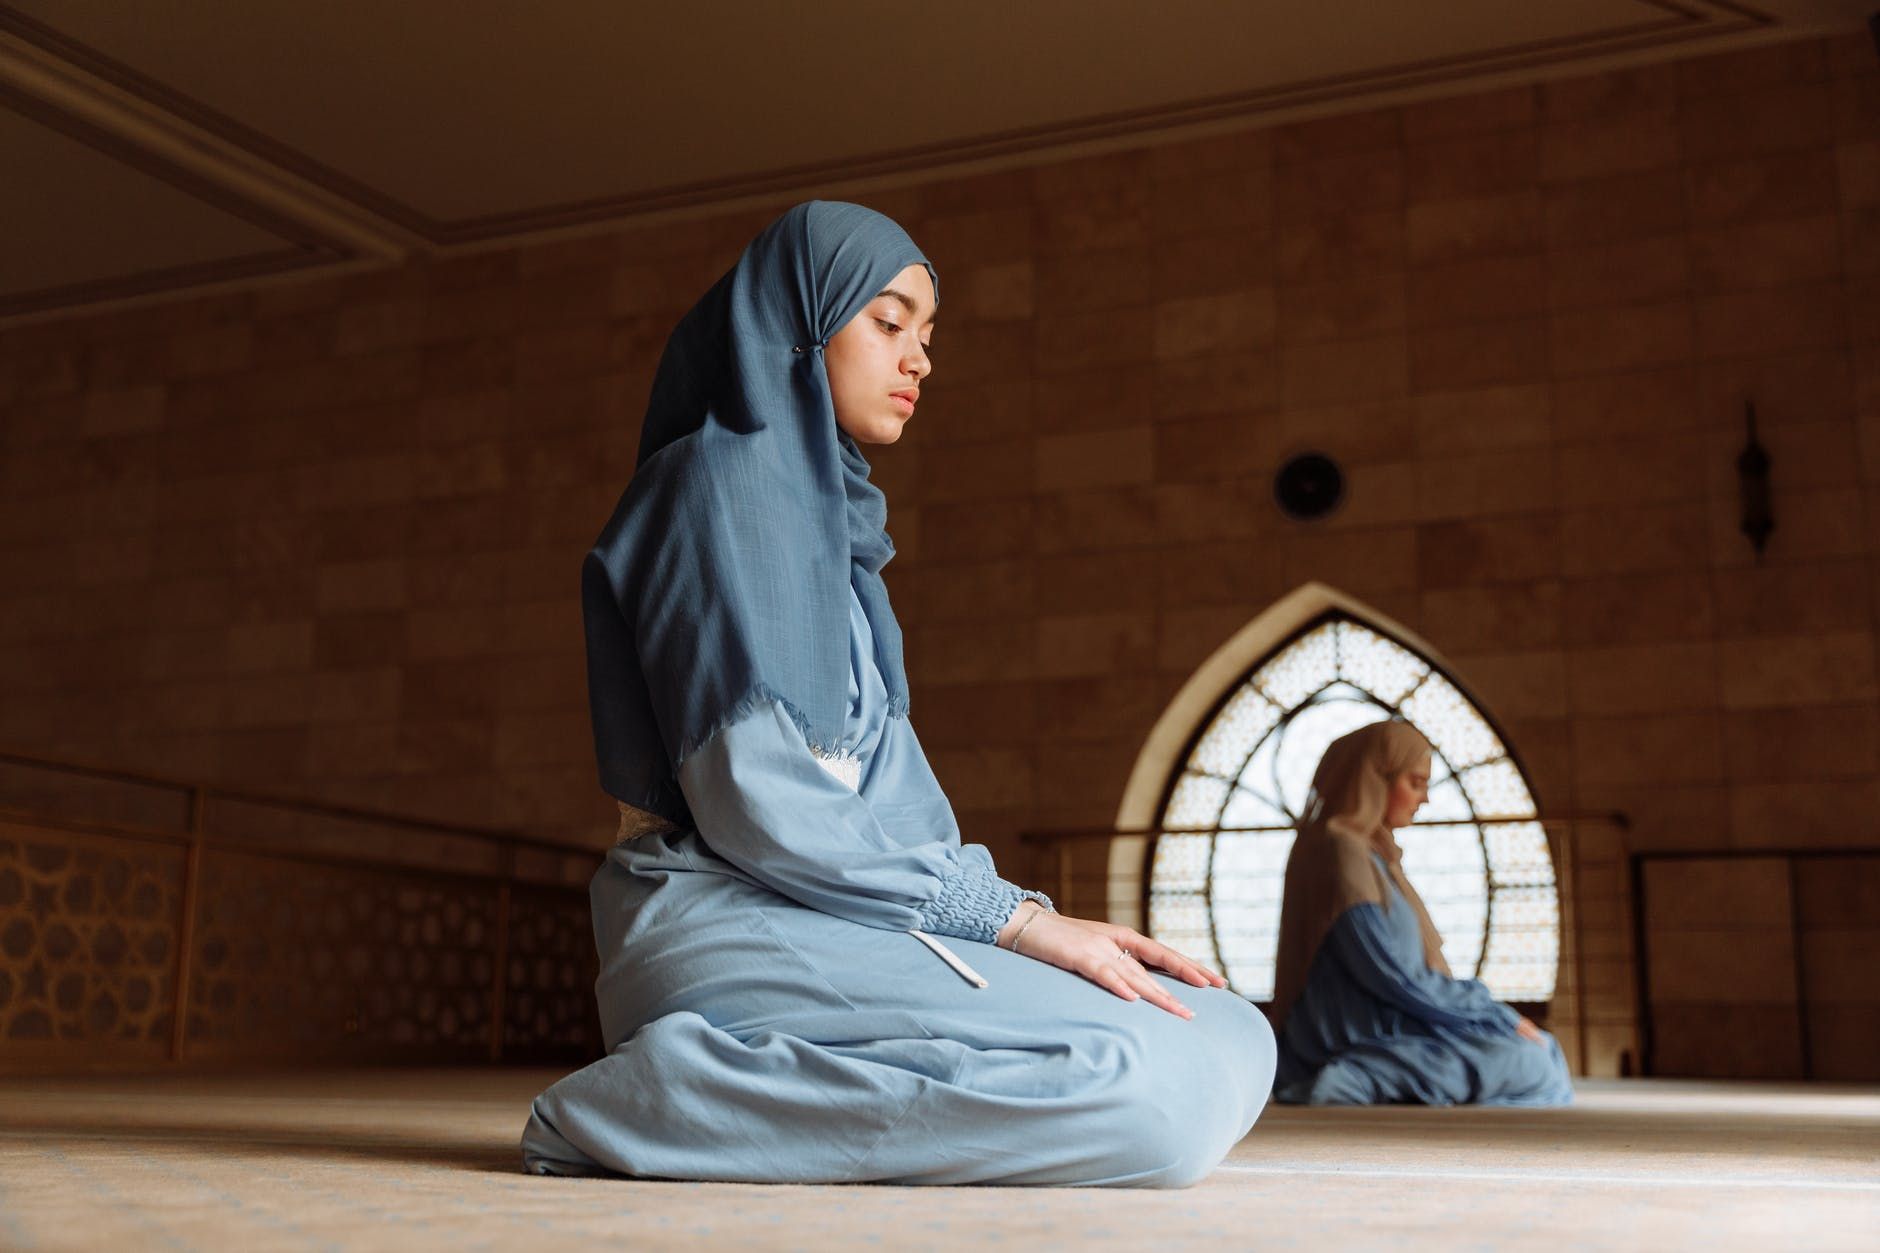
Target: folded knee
1177, 1120
1235, 1047
1157, 1146
1256, 1051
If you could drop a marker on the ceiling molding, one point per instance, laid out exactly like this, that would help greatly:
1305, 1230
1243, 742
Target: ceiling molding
34, 66
85, 80
1674, 24
317, 232
326, 218
304, 248
1663, 23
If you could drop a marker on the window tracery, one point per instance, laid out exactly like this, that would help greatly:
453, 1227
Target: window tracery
1477, 853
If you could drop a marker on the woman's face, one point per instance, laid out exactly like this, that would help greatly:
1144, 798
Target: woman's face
876, 363
1408, 791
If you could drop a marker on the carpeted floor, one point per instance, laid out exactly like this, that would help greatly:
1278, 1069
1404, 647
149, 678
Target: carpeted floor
427, 1159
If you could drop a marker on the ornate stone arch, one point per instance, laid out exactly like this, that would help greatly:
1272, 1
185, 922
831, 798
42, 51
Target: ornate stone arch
1224, 773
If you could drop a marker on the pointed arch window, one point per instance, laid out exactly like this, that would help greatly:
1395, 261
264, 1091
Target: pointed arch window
1477, 853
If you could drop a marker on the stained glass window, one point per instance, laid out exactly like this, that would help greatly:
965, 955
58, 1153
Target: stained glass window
1477, 853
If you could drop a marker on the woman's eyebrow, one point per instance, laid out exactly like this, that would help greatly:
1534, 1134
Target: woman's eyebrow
906, 300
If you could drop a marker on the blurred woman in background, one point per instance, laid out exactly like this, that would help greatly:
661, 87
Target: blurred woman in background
1368, 1012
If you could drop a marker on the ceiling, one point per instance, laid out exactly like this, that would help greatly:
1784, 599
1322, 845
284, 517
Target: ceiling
174, 145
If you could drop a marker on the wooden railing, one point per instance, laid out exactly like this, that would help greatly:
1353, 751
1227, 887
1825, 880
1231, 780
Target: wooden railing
1707, 1007
145, 919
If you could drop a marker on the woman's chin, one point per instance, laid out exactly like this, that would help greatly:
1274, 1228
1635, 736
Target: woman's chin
879, 431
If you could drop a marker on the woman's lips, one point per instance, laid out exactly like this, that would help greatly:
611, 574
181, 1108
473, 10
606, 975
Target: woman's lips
906, 401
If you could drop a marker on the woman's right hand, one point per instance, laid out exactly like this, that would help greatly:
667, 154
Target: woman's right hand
1528, 1031
1115, 958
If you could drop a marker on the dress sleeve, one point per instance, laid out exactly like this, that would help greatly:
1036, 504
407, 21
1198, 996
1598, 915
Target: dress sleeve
1360, 942
764, 804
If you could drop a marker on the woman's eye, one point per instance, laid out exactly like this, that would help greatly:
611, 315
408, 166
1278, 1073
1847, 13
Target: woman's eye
892, 328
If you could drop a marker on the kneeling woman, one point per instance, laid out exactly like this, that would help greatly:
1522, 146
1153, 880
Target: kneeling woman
805, 976
1368, 1011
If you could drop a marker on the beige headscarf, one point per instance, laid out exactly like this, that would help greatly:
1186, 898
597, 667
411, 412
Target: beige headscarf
1330, 868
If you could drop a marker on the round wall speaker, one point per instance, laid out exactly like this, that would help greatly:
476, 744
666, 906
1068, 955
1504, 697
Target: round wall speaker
1308, 486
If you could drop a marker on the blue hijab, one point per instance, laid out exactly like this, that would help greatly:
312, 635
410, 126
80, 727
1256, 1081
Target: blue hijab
722, 581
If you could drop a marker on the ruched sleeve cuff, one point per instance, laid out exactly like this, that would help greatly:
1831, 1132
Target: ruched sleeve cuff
973, 905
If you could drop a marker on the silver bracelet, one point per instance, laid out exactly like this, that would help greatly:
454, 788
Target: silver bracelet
1026, 925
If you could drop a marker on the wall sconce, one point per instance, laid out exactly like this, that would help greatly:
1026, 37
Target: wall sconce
1752, 485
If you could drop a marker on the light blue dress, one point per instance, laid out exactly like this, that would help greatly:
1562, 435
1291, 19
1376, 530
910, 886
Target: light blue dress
1375, 1025
770, 1017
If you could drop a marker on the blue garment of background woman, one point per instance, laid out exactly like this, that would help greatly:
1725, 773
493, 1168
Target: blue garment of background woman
772, 996
1369, 1012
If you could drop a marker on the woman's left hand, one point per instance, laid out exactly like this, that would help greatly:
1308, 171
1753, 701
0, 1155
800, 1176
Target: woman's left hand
1115, 958
1528, 1031
1151, 953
